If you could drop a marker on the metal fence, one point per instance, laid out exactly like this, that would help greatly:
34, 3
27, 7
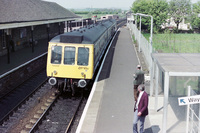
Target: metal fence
143, 44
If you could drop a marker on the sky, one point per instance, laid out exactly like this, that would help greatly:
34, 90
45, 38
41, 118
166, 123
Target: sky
81, 4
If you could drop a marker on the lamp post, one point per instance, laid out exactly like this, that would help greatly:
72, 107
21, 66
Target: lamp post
151, 32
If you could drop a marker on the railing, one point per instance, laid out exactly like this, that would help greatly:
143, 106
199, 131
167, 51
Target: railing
193, 121
143, 44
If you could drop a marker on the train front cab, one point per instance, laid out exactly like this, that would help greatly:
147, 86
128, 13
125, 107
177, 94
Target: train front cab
70, 61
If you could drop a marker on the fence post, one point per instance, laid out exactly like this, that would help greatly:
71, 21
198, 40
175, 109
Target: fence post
188, 111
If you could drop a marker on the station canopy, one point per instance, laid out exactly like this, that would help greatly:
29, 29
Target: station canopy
174, 65
178, 64
21, 13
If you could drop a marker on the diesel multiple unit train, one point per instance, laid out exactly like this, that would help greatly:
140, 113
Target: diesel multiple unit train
73, 57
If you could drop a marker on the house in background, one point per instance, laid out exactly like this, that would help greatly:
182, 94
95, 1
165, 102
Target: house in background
170, 24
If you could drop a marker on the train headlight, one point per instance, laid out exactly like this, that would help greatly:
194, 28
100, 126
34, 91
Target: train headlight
52, 81
82, 83
54, 72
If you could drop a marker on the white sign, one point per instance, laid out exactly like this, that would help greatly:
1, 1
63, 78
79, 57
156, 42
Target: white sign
189, 100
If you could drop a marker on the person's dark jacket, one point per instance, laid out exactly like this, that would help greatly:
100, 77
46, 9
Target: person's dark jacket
143, 104
139, 77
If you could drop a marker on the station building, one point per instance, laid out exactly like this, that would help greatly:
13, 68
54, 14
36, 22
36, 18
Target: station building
110, 17
27, 23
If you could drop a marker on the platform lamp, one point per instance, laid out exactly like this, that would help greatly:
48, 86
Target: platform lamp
151, 32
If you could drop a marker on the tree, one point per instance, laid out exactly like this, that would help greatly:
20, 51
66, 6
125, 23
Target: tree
179, 9
158, 9
195, 19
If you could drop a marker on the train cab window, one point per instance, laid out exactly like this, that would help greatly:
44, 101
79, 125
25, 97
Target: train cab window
56, 54
69, 55
83, 56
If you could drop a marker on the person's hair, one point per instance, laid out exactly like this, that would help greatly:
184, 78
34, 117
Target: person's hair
138, 66
141, 87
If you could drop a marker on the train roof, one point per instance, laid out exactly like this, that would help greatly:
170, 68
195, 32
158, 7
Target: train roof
86, 35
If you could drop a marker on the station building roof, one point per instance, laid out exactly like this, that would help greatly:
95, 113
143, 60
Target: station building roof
178, 64
20, 13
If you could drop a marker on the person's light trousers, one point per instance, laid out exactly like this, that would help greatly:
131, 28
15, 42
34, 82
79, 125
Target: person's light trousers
137, 118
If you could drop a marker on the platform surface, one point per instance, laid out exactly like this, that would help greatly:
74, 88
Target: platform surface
19, 57
110, 106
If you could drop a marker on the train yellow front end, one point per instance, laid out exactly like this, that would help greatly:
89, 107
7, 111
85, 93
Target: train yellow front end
74, 61
74, 57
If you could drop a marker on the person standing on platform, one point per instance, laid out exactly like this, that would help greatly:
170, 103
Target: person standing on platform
138, 79
140, 109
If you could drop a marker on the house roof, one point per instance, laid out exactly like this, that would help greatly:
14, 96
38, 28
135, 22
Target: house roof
22, 11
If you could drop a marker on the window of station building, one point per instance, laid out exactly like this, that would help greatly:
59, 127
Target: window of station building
83, 56
23, 33
56, 54
69, 55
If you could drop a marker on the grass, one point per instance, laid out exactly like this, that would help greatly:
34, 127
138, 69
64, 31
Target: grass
89, 16
175, 43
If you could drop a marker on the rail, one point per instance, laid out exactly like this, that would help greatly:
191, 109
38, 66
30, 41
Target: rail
193, 121
43, 115
74, 116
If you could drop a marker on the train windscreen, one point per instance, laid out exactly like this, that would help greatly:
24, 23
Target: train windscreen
83, 56
69, 55
56, 54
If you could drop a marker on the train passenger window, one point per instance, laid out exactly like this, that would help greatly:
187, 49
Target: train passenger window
83, 56
69, 55
56, 54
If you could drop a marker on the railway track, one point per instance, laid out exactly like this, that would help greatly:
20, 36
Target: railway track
14, 104
63, 116
15, 98
39, 108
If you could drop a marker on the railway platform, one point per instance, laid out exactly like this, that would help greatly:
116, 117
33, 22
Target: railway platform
21, 56
110, 106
